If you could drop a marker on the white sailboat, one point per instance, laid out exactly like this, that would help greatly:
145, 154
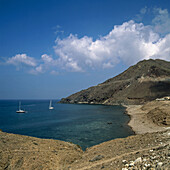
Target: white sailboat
20, 110
50, 106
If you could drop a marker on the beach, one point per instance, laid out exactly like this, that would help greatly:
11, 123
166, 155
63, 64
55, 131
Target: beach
145, 150
140, 123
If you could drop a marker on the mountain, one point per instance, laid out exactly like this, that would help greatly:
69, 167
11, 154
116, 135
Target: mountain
145, 81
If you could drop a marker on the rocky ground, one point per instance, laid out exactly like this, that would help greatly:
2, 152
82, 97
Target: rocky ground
149, 151
142, 151
23, 152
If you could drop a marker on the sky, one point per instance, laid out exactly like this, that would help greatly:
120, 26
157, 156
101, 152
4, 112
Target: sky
50, 49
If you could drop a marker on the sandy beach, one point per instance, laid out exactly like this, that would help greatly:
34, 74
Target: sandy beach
148, 149
139, 121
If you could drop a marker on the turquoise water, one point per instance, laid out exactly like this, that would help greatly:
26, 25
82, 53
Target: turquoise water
85, 125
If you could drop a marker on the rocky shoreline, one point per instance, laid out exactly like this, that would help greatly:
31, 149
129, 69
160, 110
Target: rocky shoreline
148, 149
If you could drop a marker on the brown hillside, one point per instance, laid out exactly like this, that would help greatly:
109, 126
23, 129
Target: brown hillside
145, 81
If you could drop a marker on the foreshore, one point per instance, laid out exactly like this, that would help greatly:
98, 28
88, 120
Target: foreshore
148, 149
139, 122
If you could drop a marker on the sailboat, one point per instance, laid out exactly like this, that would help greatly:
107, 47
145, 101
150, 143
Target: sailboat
50, 106
20, 110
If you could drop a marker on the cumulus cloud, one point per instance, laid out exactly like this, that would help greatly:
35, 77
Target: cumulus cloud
34, 66
47, 59
46, 62
129, 43
22, 59
161, 20
37, 70
143, 12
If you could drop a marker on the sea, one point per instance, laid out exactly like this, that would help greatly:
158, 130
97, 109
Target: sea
82, 124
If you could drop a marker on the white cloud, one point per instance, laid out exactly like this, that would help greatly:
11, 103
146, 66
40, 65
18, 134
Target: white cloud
45, 63
37, 66
129, 42
47, 59
58, 30
143, 12
22, 59
53, 72
107, 65
161, 20
37, 70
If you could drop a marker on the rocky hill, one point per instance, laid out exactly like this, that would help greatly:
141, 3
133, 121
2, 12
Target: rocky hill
145, 81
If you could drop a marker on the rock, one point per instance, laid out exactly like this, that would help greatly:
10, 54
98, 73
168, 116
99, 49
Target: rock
109, 123
144, 160
159, 164
97, 158
147, 165
138, 160
124, 161
35, 143
131, 163
102, 167
124, 169
127, 165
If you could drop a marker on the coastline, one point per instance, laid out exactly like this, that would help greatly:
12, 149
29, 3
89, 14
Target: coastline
139, 122
136, 151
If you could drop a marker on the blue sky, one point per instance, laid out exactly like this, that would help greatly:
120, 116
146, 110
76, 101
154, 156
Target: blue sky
50, 49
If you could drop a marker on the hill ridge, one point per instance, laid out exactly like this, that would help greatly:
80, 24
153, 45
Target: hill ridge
144, 81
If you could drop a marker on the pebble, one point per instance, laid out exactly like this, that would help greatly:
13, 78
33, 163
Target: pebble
124, 161
153, 159
147, 165
138, 160
127, 165
159, 164
131, 164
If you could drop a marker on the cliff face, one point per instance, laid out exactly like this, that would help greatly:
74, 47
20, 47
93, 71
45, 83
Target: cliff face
145, 81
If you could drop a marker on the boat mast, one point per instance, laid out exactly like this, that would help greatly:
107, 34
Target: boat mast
19, 105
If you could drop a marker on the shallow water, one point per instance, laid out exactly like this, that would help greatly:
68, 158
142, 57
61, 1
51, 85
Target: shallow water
85, 125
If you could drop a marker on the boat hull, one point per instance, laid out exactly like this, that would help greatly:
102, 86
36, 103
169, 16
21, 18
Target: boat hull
20, 111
